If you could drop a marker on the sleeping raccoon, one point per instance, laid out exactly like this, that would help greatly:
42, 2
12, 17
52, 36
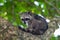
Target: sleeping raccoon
36, 24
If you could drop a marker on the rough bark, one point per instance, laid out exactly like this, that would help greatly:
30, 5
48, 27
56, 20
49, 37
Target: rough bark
9, 32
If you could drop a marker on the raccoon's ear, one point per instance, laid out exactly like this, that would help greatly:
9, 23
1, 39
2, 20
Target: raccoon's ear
29, 12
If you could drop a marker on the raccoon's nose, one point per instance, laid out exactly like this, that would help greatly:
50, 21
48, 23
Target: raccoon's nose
24, 22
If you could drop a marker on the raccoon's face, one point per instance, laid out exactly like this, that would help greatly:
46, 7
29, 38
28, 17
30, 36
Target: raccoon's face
26, 17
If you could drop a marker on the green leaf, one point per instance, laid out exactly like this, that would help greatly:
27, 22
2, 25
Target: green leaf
53, 38
1, 1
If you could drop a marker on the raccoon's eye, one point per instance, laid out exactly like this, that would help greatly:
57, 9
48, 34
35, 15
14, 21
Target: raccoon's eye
22, 19
27, 19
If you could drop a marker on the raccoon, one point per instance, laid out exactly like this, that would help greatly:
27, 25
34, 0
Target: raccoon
37, 25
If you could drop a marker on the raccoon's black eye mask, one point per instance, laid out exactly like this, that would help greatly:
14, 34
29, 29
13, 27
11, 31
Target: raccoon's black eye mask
26, 19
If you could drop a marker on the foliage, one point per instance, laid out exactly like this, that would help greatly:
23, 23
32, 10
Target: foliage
53, 38
10, 9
